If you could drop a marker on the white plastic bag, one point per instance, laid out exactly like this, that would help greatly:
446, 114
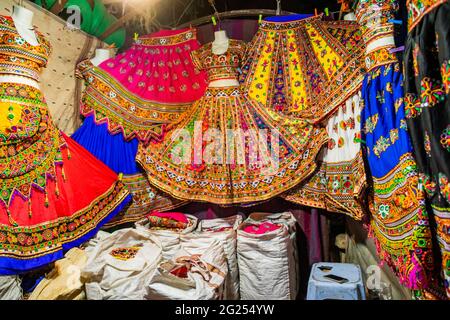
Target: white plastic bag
10, 288
170, 239
288, 219
224, 231
268, 265
120, 266
204, 280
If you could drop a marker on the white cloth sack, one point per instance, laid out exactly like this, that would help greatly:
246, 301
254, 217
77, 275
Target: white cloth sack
112, 274
288, 219
170, 239
206, 234
205, 278
10, 288
267, 262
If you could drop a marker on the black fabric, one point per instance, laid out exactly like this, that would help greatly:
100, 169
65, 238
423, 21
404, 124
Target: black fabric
427, 106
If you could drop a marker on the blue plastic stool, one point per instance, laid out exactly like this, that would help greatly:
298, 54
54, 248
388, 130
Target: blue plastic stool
321, 288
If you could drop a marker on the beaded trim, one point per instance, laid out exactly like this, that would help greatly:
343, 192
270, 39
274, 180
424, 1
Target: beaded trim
149, 40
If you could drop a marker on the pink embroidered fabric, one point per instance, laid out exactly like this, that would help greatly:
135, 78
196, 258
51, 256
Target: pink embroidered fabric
262, 228
158, 67
175, 216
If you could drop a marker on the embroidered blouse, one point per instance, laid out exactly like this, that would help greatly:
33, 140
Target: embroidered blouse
17, 56
378, 32
220, 66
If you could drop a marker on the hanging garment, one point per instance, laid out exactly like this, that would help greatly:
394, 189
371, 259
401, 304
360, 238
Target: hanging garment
142, 90
399, 221
122, 109
227, 149
340, 182
303, 67
54, 194
427, 104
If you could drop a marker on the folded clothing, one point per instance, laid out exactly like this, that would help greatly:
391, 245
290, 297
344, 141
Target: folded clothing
261, 228
167, 220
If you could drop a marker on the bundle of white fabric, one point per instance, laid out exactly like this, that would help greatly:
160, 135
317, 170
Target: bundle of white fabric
120, 265
267, 257
224, 231
10, 288
190, 276
170, 237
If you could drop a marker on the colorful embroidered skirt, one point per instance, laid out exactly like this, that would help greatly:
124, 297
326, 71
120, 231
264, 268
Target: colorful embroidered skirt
304, 67
145, 88
227, 149
427, 103
340, 182
399, 219
54, 194
119, 155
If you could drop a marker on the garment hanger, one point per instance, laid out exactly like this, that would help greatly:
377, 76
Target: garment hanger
278, 8
216, 13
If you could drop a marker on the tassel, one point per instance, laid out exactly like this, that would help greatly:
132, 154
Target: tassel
68, 154
46, 199
63, 173
10, 219
56, 189
29, 209
120, 176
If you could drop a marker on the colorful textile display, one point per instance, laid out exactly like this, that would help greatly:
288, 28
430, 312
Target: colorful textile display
303, 67
124, 106
427, 104
340, 182
142, 90
399, 221
54, 194
227, 148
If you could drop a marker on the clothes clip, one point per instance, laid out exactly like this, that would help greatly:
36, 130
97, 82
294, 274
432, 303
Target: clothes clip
136, 36
239, 70
214, 20
395, 21
260, 19
399, 49
326, 12
315, 12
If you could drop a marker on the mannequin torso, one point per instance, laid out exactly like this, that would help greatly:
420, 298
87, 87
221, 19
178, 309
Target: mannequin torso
23, 18
220, 46
101, 55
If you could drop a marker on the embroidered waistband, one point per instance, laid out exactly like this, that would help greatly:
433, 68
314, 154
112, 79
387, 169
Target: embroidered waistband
168, 40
